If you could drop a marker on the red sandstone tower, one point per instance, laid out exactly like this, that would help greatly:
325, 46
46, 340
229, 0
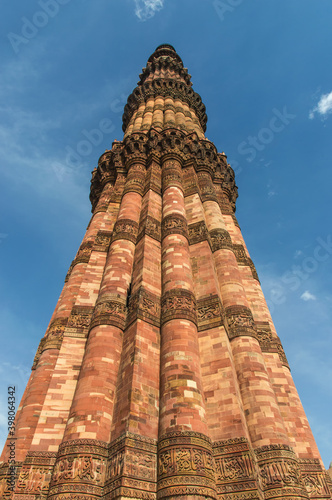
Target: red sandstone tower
161, 374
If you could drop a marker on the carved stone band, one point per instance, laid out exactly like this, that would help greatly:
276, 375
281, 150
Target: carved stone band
135, 183
235, 467
84, 252
240, 322
109, 312
144, 305
52, 340
240, 254
209, 313
185, 466
174, 224
55, 332
280, 472
102, 241
125, 229
314, 478
244, 260
79, 319
208, 192
132, 463
220, 239
178, 304
35, 475
80, 468
282, 355
198, 232
269, 343
171, 176
151, 227
82, 256
265, 337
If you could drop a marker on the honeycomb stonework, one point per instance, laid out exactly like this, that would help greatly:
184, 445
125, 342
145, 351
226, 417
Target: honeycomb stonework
161, 374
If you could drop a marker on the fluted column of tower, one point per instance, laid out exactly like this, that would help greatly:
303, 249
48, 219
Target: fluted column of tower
161, 374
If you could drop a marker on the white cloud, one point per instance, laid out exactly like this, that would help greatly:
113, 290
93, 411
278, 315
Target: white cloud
298, 254
324, 106
145, 9
307, 296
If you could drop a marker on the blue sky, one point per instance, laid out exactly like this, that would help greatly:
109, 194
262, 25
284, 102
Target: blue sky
262, 69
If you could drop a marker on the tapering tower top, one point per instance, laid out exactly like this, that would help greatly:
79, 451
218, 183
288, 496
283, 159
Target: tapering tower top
164, 97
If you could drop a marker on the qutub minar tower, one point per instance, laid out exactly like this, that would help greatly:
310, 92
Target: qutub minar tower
161, 375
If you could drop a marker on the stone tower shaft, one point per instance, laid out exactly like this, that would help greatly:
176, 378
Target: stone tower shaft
161, 374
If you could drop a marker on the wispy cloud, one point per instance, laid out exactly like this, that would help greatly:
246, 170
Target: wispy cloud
145, 9
324, 106
307, 296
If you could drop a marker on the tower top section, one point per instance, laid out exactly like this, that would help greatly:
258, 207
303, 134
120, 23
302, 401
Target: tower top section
165, 84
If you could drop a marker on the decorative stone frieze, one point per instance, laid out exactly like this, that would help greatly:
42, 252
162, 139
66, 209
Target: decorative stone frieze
280, 473
185, 466
220, 240
149, 226
174, 224
210, 313
80, 468
240, 322
235, 469
314, 478
198, 232
131, 468
207, 190
125, 229
144, 305
54, 335
109, 310
135, 182
84, 252
240, 254
102, 241
38, 353
35, 475
79, 321
281, 353
171, 175
178, 304
8, 479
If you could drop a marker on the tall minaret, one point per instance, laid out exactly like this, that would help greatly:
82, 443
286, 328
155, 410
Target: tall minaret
161, 374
